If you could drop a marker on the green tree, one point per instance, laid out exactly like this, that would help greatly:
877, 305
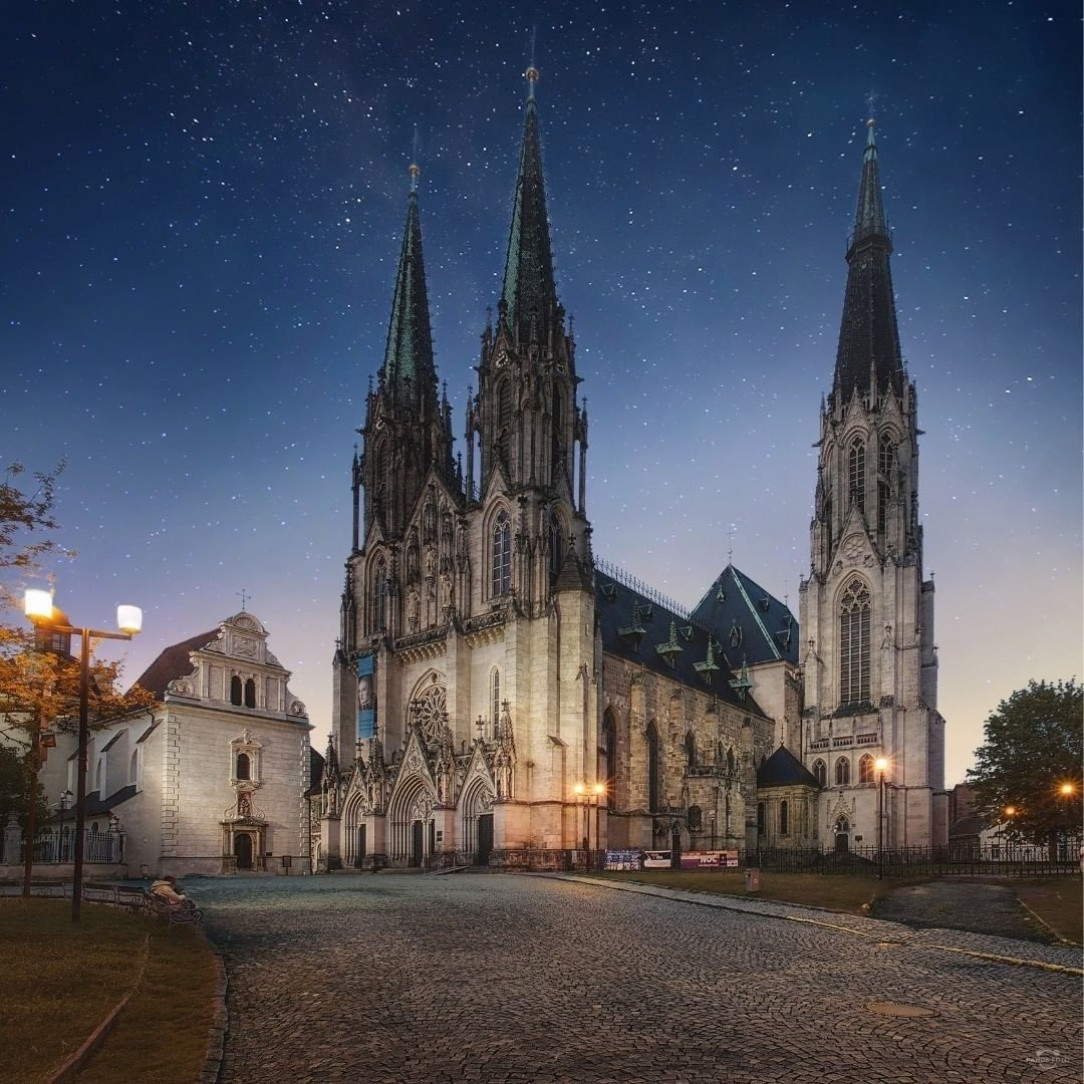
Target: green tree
1031, 763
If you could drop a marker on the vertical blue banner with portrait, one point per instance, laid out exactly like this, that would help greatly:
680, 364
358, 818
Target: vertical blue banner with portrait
366, 698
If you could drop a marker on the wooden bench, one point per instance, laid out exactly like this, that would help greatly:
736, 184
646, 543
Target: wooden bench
183, 913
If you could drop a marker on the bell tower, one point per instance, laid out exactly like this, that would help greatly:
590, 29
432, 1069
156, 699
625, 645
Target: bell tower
869, 660
526, 431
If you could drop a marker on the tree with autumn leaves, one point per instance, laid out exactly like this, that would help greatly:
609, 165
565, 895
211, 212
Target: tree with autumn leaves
1028, 771
39, 688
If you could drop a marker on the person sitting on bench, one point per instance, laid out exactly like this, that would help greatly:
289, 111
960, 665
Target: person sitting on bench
166, 888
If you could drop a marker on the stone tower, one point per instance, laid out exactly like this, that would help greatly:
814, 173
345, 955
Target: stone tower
868, 655
466, 673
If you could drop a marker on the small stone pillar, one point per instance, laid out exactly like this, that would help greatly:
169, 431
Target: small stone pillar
13, 841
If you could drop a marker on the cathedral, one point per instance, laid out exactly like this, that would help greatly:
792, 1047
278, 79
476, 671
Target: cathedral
503, 697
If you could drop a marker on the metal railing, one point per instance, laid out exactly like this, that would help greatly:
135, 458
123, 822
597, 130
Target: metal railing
57, 846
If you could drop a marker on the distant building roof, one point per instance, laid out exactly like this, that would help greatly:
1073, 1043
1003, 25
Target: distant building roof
645, 630
753, 626
173, 662
784, 769
316, 771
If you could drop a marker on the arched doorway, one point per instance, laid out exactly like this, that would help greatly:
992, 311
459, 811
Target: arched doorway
242, 850
416, 838
843, 835
485, 840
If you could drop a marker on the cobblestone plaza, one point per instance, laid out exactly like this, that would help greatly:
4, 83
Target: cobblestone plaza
525, 978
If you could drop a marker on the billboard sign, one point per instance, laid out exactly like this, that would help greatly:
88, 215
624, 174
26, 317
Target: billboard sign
366, 698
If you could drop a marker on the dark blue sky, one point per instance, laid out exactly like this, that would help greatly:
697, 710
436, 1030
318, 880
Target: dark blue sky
201, 216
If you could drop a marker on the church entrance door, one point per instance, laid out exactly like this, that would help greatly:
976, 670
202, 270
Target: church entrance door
416, 844
843, 836
359, 858
242, 850
485, 840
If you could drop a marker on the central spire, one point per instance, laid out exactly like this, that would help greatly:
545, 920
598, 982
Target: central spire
530, 291
869, 356
409, 353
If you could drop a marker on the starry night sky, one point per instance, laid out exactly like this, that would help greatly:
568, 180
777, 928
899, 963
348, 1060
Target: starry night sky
201, 218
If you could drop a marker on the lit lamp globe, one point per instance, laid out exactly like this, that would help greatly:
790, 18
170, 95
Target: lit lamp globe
880, 764
579, 788
38, 604
130, 619
599, 789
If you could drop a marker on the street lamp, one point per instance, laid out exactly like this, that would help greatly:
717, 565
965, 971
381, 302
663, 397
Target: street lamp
1010, 812
600, 790
38, 606
581, 797
65, 801
1066, 791
880, 764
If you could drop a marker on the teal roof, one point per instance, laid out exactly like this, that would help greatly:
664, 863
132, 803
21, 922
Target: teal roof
530, 289
409, 353
752, 625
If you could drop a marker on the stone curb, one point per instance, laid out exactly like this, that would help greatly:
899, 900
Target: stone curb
220, 1024
78, 1061
721, 902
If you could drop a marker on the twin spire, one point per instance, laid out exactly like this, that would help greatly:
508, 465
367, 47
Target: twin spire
529, 292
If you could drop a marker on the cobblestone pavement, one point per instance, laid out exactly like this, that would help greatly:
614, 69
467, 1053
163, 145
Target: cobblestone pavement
482, 978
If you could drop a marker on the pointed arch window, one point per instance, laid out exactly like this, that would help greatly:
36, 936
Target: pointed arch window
820, 772
495, 700
504, 405
652, 767
429, 521
856, 472
690, 750
865, 769
882, 506
609, 756
557, 544
236, 690
854, 656
784, 818
558, 421
730, 761
501, 581
886, 456
843, 772
380, 597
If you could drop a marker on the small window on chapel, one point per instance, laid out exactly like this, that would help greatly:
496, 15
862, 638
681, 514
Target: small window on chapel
244, 766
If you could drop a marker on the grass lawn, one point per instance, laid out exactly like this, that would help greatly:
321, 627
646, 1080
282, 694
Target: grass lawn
1058, 901
837, 892
62, 978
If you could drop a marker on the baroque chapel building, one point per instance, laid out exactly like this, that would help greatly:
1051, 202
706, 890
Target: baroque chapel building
500, 696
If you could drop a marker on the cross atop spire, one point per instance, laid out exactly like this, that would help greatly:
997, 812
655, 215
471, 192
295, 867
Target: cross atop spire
530, 292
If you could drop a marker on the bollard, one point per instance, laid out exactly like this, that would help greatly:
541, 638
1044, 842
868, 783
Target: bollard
752, 880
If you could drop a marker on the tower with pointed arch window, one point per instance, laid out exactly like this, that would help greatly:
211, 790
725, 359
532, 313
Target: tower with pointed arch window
868, 657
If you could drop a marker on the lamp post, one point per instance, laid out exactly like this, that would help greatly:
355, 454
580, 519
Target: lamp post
582, 799
880, 764
38, 606
1066, 791
1010, 812
600, 790
65, 801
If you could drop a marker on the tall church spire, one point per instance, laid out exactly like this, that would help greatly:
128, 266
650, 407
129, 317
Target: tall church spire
869, 343
409, 353
530, 292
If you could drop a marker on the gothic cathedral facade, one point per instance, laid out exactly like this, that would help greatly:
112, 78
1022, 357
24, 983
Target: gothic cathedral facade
499, 694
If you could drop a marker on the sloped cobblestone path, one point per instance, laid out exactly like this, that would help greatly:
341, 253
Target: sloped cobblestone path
401, 978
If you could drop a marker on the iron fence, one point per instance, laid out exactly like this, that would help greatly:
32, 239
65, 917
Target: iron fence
968, 861
57, 846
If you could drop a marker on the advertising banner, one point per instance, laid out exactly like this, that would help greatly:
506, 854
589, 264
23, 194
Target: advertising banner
623, 860
366, 698
709, 859
657, 859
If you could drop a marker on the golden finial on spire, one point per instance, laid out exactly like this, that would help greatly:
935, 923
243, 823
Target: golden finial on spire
415, 172
531, 75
